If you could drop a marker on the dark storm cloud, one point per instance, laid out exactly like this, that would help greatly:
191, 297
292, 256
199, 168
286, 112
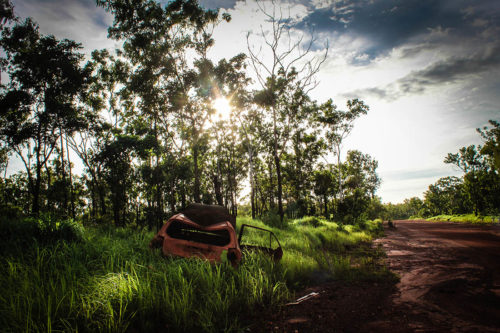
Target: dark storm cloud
387, 23
451, 70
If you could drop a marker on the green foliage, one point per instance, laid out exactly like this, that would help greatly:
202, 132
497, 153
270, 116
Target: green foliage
491, 148
409, 208
465, 218
477, 191
31, 231
309, 221
39, 102
272, 219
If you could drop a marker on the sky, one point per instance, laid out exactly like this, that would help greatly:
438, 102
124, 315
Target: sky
428, 69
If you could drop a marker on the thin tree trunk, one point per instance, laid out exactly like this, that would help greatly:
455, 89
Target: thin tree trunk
36, 189
217, 190
71, 193
196, 190
63, 175
326, 206
252, 183
280, 189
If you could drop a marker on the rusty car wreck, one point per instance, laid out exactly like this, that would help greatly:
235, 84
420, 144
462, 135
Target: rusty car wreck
209, 232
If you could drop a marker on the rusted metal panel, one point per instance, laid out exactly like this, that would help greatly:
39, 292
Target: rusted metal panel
196, 233
276, 253
184, 238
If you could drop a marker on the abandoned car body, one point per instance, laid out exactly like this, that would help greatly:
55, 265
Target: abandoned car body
208, 232
184, 238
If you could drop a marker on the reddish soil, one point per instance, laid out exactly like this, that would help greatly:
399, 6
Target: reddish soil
449, 282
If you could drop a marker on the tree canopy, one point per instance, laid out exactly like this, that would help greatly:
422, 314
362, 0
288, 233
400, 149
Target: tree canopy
145, 123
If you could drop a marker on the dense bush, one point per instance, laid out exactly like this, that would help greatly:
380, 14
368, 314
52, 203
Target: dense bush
44, 230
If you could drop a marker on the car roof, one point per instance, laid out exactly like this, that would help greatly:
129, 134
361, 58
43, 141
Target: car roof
206, 215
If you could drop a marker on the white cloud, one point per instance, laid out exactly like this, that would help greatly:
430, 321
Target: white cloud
80, 21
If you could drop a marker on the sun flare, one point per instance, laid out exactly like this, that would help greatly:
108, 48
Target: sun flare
222, 108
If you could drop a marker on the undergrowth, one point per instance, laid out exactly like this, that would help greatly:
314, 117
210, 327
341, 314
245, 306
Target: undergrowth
58, 276
466, 218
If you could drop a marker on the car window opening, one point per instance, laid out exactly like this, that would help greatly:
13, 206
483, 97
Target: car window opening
180, 230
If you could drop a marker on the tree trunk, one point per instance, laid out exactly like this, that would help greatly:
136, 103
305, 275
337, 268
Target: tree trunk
102, 198
252, 200
196, 190
93, 195
252, 183
326, 206
217, 190
271, 186
339, 171
116, 214
71, 192
35, 210
280, 189
183, 196
63, 175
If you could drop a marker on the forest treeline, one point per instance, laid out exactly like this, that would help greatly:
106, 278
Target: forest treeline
476, 191
143, 122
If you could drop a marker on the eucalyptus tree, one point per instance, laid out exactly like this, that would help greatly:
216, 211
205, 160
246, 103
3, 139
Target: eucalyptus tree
150, 47
170, 86
446, 196
102, 104
228, 168
300, 162
38, 104
491, 148
324, 182
469, 160
243, 123
360, 183
481, 181
116, 157
286, 74
250, 121
491, 151
338, 125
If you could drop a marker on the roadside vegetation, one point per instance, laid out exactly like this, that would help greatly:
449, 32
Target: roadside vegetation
466, 218
472, 198
60, 276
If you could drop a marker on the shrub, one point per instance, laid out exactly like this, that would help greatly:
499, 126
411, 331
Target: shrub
10, 211
272, 219
309, 220
43, 230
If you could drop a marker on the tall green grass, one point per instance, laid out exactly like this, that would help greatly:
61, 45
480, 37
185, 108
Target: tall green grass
108, 279
466, 218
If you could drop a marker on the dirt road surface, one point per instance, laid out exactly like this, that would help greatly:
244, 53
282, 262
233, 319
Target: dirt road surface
449, 282
450, 274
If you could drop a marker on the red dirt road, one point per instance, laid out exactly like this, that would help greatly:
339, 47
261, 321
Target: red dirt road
450, 282
450, 275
